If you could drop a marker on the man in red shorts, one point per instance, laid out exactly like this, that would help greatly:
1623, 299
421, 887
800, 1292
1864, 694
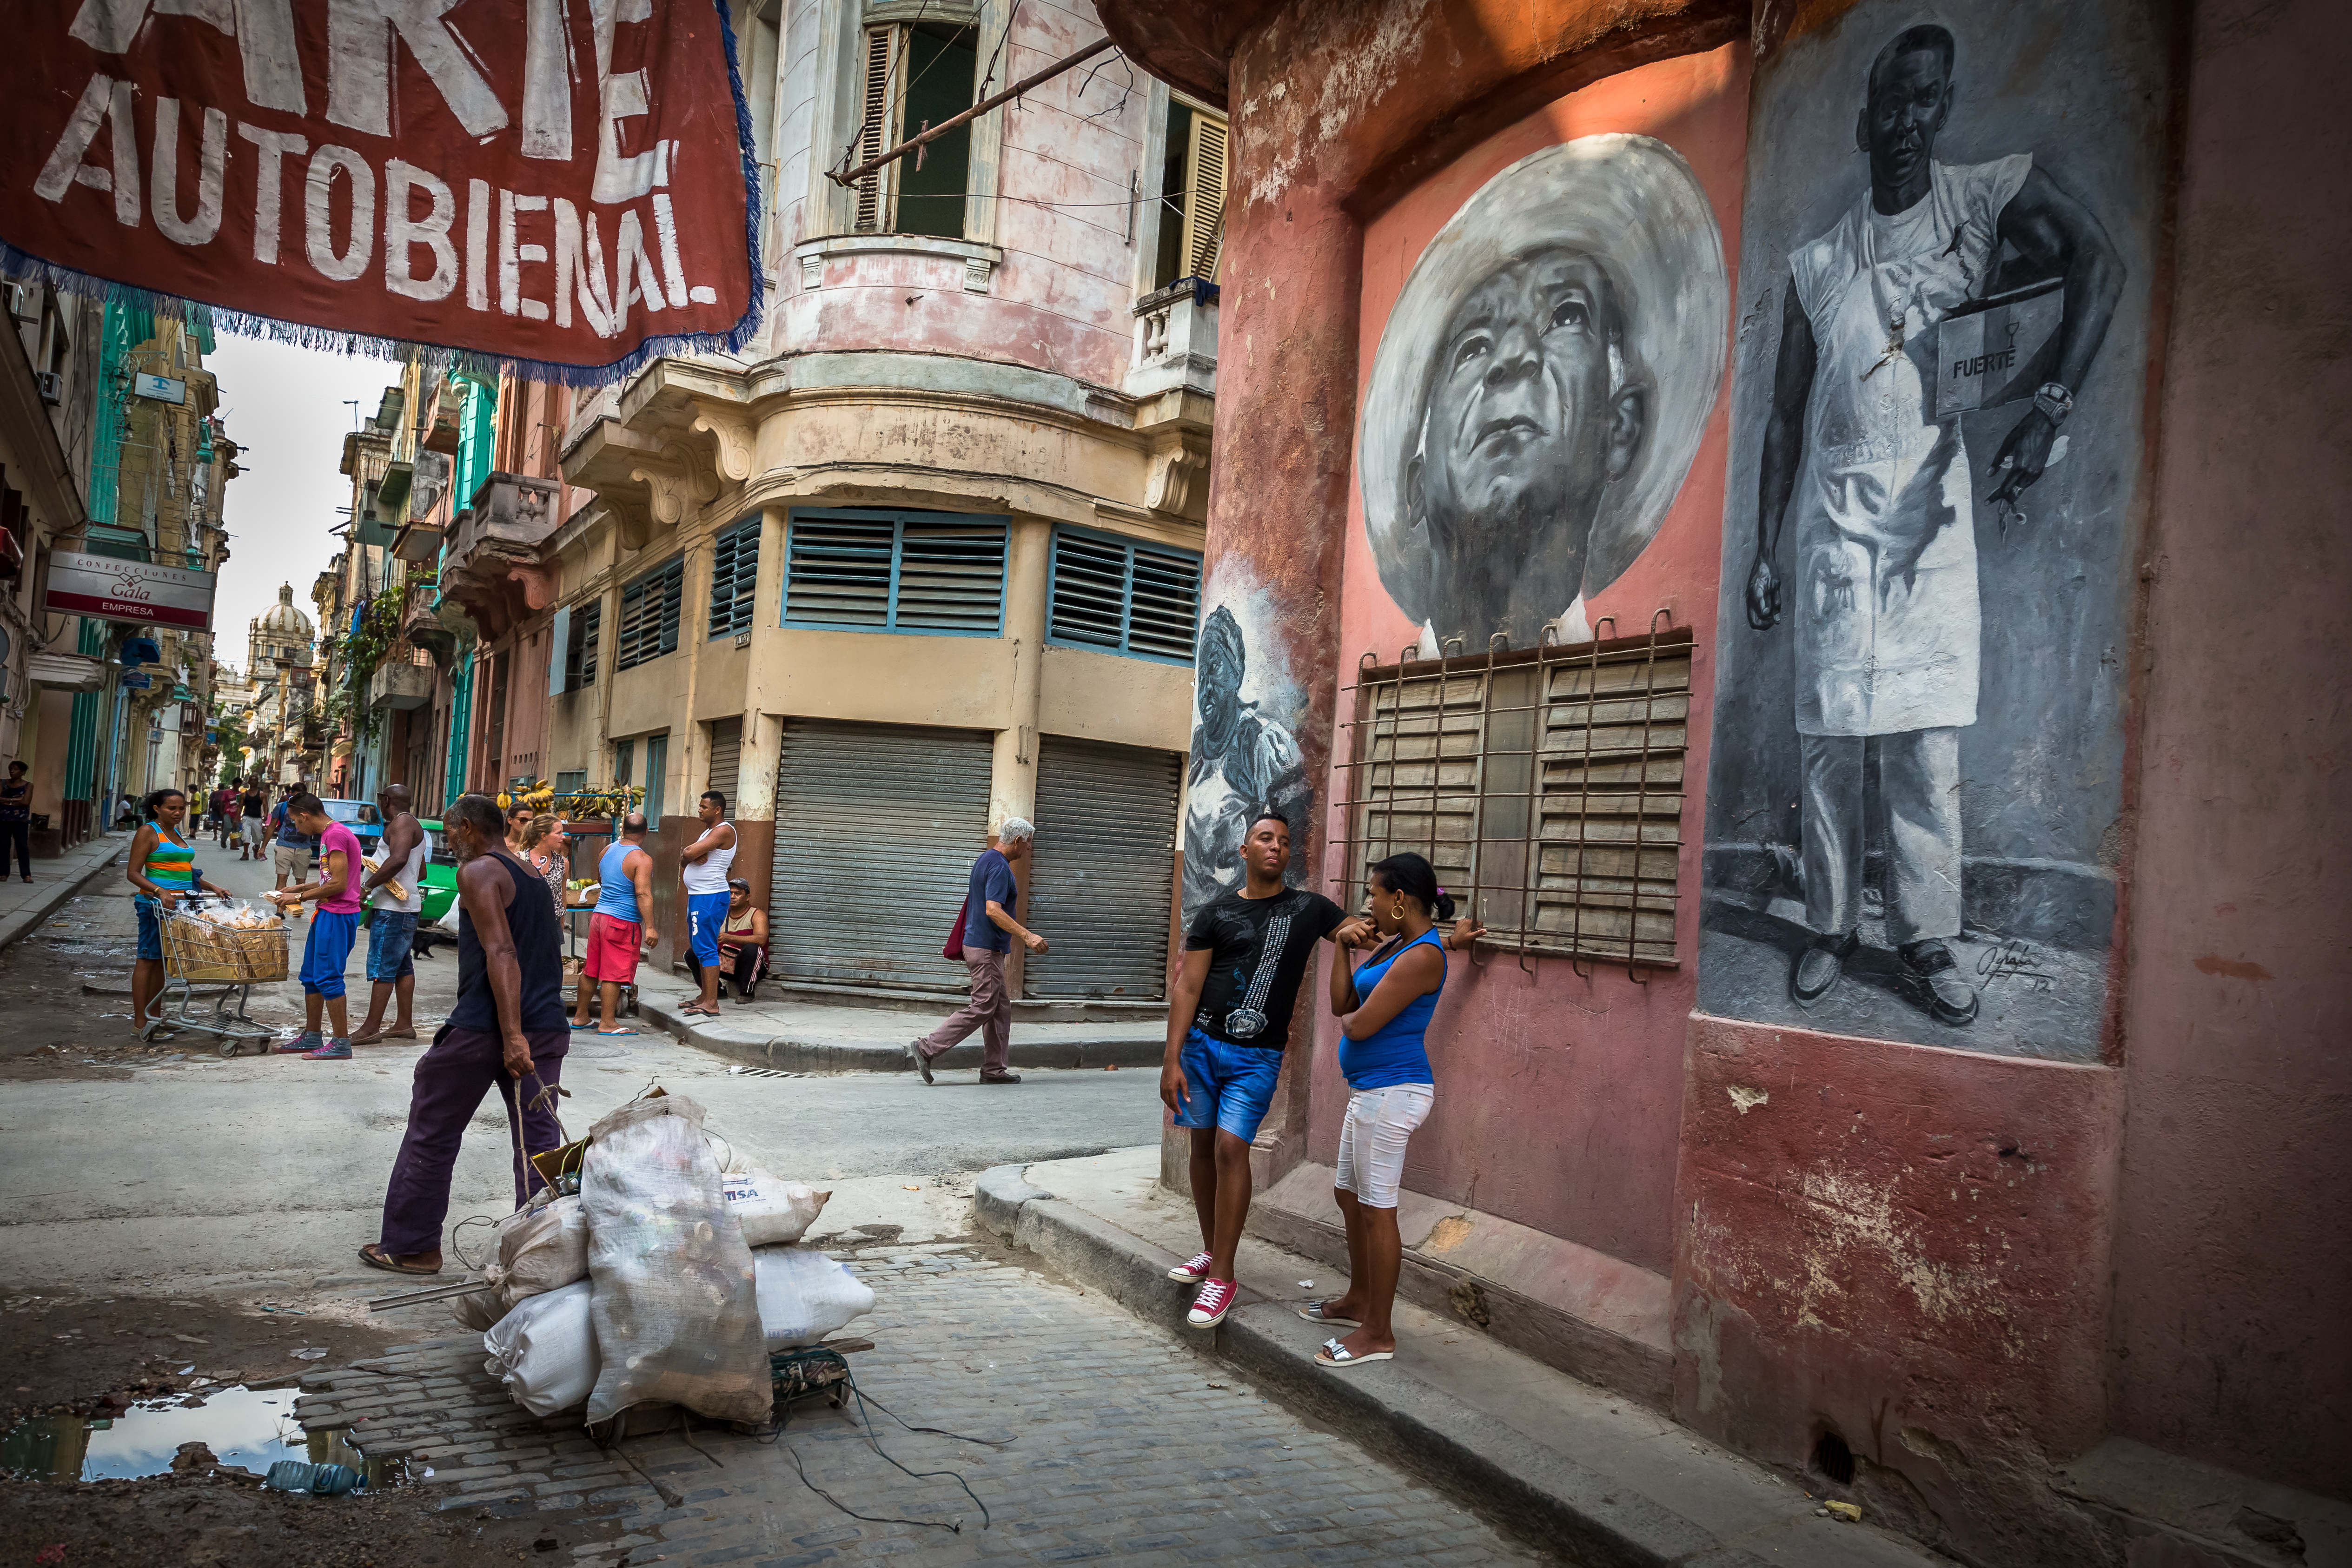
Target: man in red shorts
617, 934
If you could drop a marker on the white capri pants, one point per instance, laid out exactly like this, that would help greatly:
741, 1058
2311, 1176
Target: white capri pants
1379, 1124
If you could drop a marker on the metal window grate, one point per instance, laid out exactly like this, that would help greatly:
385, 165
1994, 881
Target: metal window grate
896, 571
648, 626
734, 578
1124, 595
1545, 786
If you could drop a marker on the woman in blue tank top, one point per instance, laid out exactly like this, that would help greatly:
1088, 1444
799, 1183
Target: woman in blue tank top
1384, 1053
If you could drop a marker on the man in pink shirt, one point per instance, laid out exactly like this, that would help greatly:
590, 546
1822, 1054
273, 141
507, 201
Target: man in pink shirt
337, 894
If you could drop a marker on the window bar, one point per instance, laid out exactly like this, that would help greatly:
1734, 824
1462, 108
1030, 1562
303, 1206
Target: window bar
1456, 647
1584, 800
1641, 794
1360, 773
1532, 835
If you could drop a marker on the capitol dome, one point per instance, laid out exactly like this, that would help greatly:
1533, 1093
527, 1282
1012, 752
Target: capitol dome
281, 632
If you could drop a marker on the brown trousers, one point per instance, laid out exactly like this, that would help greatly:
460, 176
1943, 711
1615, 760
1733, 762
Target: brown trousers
990, 1011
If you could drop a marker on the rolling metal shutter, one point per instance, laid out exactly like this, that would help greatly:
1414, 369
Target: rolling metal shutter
1101, 876
726, 747
877, 828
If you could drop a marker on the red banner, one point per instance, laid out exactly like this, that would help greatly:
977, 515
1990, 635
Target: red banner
557, 183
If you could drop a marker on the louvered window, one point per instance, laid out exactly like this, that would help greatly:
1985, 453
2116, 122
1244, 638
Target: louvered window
1192, 197
1204, 198
581, 639
896, 571
877, 128
1544, 786
648, 627
1124, 596
913, 76
734, 578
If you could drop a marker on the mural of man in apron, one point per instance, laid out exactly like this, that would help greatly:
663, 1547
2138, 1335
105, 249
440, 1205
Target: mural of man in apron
1883, 582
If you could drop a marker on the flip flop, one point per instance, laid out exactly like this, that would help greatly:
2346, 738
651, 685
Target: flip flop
374, 1257
1334, 1354
609, 1034
1313, 1312
578, 1027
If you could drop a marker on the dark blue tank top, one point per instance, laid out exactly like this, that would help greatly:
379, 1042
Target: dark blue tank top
538, 953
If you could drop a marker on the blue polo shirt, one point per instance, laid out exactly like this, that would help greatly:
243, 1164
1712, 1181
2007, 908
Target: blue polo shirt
992, 878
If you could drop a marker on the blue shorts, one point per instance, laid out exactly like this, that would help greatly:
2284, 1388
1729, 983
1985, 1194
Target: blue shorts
327, 949
390, 932
705, 914
1228, 1087
151, 930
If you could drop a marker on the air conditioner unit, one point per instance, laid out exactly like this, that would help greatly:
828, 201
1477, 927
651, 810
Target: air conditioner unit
53, 385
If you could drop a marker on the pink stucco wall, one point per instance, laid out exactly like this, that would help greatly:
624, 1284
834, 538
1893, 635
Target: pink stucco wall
1559, 1096
2233, 1257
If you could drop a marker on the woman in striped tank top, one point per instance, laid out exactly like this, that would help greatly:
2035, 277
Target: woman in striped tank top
163, 870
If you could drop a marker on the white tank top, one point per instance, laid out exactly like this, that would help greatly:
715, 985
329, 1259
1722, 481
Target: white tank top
410, 876
709, 873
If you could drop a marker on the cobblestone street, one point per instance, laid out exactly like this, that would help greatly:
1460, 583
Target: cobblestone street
1118, 1443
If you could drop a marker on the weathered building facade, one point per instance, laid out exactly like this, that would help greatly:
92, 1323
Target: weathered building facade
1743, 491
926, 555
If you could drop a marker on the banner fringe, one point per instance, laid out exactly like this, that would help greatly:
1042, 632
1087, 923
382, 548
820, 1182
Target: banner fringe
25, 266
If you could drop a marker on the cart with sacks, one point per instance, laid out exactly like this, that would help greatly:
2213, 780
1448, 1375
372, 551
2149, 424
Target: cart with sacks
215, 952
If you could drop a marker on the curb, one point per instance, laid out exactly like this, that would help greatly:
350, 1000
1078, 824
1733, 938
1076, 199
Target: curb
1576, 1513
30, 920
793, 1054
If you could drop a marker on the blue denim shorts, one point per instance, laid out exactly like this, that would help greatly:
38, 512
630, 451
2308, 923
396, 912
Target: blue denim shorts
1228, 1087
332, 931
390, 933
705, 914
151, 929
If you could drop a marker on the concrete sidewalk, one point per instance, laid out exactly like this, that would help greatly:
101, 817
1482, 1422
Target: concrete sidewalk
1593, 1475
809, 1037
24, 905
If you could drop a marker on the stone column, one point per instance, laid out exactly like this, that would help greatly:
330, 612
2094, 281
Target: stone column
1278, 509
1012, 763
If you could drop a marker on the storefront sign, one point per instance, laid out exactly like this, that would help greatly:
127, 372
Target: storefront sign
136, 682
560, 186
162, 389
130, 590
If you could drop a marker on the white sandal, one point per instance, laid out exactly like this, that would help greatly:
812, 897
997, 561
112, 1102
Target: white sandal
1314, 1313
1334, 1354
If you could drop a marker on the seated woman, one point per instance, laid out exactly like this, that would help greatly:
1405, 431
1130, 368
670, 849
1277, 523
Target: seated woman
742, 940
1385, 1007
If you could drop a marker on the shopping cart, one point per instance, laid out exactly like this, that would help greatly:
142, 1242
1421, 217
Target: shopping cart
199, 953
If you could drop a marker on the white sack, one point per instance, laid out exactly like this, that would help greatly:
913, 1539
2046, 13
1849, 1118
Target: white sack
676, 1315
540, 1249
772, 1213
545, 1350
806, 1295
478, 1310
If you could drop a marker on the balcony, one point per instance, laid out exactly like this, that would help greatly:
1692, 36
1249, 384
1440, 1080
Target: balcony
492, 565
1175, 342
398, 682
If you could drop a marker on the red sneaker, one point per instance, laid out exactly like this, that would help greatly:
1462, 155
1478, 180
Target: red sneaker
1192, 1273
1210, 1307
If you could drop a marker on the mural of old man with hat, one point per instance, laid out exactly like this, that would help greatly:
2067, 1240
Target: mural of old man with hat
1540, 388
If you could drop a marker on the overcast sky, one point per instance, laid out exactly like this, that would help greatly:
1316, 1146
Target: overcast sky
285, 406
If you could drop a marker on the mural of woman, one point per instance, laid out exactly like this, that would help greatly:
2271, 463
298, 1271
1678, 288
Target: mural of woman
1242, 759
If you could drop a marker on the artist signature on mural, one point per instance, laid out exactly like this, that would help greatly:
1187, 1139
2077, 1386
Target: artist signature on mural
2014, 959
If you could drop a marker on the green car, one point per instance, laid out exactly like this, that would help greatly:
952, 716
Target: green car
440, 872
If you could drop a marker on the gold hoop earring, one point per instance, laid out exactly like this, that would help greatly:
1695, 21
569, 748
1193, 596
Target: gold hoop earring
1396, 911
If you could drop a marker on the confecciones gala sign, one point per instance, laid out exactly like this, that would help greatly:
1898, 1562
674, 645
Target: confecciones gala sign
548, 181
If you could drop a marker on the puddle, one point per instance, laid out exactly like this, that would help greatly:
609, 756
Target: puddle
249, 1427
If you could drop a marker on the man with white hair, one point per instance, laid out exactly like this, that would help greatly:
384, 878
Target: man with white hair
987, 932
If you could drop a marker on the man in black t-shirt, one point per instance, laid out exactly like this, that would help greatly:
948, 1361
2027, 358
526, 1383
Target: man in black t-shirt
1246, 956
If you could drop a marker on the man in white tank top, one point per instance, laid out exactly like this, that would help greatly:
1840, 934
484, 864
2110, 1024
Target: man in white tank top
392, 922
705, 863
